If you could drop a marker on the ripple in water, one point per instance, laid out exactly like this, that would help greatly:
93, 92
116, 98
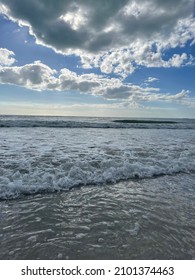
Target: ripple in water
138, 219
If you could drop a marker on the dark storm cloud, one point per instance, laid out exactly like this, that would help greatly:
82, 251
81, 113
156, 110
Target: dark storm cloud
95, 25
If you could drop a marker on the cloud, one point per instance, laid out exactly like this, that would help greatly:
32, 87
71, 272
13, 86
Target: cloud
6, 57
124, 61
38, 76
189, 102
177, 60
151, 80
116, 36
165, 97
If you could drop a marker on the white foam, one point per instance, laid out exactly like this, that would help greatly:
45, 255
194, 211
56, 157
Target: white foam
41, 160
134, 231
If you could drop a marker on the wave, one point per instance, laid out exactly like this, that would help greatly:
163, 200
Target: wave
50, 160
116, 124
65, 174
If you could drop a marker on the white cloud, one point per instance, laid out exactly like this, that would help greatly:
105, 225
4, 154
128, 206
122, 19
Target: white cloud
6, 57
177, 60
189, 102
151, 80
125, 61
36, 76
40, 77
75, 18
165, 97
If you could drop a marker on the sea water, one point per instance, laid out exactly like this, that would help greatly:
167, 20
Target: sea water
92, 188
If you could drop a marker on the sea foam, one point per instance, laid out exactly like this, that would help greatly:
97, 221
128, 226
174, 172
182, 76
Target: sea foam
34, 160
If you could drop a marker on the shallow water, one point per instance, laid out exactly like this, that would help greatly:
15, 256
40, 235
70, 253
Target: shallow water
137, 219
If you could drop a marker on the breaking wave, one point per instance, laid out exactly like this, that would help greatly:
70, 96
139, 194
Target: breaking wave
48, 174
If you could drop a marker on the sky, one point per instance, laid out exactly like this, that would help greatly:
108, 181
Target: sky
121, 58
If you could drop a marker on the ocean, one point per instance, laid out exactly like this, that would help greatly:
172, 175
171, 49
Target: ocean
97, 188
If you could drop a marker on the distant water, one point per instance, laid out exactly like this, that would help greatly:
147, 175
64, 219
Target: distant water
137, 188
84, 122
